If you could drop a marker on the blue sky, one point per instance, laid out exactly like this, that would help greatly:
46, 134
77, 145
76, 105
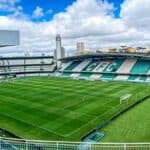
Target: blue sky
117, 4
55, 5
58, 6
29, 6
51, 7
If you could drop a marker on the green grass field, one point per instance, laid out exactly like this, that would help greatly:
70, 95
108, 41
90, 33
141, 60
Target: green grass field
133, 126
61, 109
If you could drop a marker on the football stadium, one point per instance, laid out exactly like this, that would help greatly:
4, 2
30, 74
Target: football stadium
94, 101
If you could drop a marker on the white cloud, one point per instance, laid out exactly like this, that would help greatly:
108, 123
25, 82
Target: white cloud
90, 21
88, 17
8, 5
33, 36
12, 8
135, 13
38, 12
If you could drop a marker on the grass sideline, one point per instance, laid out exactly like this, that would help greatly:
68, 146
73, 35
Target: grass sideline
132, 126
59, 108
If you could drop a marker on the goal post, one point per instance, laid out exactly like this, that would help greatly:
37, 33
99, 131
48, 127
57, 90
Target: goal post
125, 98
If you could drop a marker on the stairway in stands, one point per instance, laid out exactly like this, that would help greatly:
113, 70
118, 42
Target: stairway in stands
68, 70
65, 65
125, 68
79, 68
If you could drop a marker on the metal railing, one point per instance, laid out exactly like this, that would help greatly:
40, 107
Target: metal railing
21, 144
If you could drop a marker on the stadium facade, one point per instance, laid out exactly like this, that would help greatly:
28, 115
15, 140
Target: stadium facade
108, 66
105, 66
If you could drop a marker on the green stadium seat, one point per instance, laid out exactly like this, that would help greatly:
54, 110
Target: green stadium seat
137, 77
85, 75
72, 65
141, 67
89, 68
70, 68
112, 68
66, 74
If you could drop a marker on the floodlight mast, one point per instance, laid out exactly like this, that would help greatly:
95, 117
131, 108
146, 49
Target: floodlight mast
60, 51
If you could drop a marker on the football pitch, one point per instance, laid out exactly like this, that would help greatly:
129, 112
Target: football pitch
59, 108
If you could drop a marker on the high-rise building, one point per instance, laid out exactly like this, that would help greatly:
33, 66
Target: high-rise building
60, 51
80, 47
58, 46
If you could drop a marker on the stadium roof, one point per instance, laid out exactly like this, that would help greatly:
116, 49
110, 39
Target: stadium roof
108, 55
26, 57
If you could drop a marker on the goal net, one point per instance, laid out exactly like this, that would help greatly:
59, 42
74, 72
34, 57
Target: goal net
125, 98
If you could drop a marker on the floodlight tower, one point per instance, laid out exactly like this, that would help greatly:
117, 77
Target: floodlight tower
59, 53
58, 46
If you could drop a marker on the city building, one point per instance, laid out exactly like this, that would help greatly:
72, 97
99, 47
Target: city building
80, 47
131, 50
59, 53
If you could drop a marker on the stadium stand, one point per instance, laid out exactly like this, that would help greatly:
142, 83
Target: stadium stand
141, 67
88, 68
80, 67
121, 67
65, 65
125, 68
18, 66
148, 78
101, 66
72, 65
111, 68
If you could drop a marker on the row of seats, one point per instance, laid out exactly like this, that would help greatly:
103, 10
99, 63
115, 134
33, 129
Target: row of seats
15, 62
26, 65
120, 69
17, 69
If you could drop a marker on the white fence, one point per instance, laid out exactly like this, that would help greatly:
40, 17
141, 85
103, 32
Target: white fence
15, 144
